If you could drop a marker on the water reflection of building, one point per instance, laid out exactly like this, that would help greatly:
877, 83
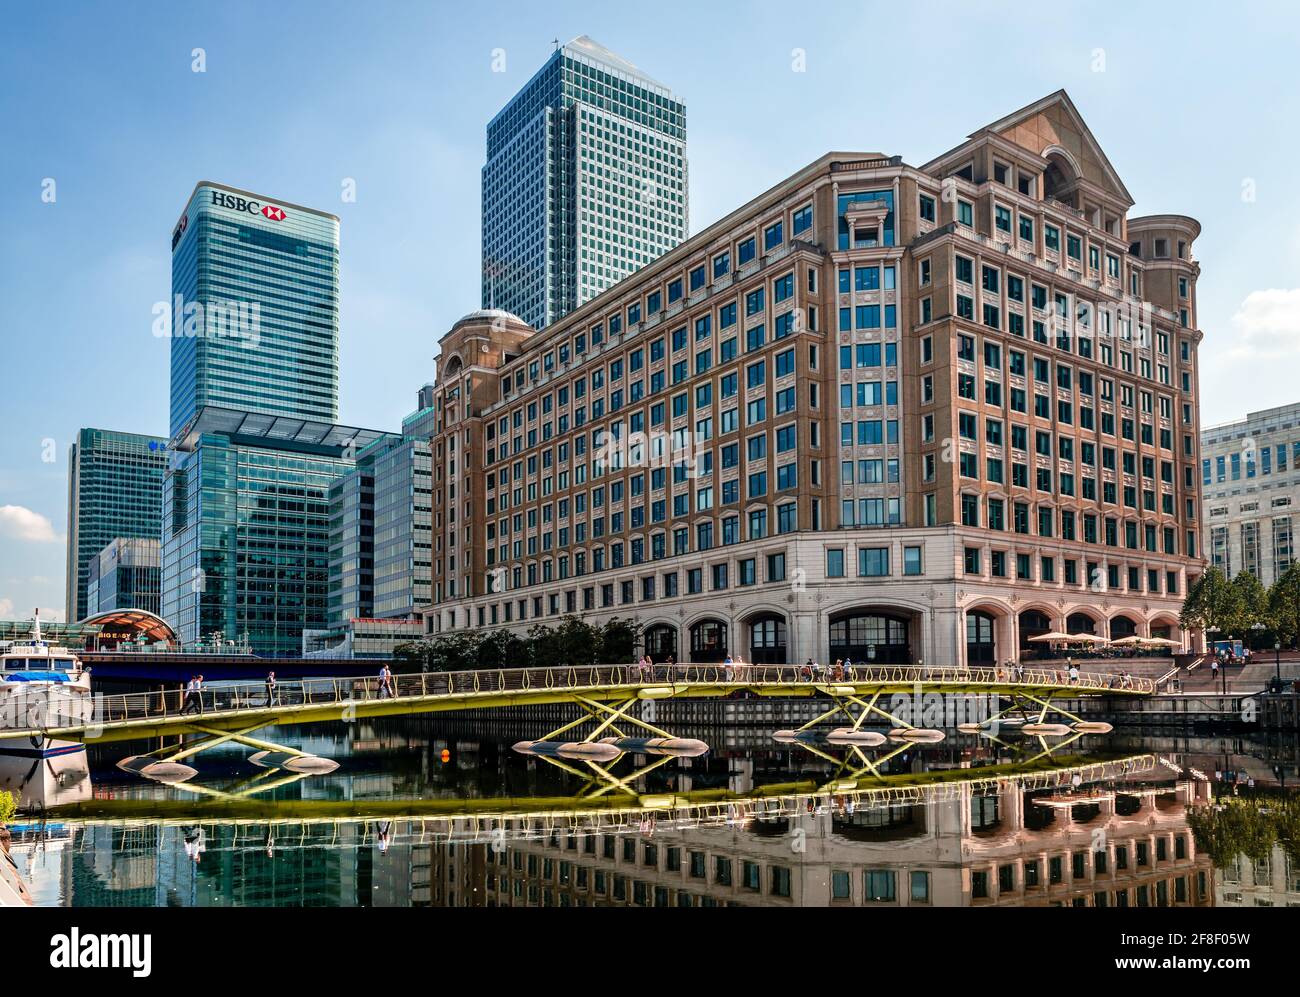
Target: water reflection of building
1273, 881
1007, 848
237, 866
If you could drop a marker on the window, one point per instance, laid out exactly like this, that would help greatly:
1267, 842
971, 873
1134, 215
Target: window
835, 562
802, 220
873, 562
912, 561
878, 885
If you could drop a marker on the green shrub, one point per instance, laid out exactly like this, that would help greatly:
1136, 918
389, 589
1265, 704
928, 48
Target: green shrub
8, 807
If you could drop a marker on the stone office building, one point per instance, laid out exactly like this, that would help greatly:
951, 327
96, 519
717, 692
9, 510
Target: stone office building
1250, 475
884, 412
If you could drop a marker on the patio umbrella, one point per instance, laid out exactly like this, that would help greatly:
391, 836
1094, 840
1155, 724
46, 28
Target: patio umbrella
1126, 641
1088, 639
1050, 638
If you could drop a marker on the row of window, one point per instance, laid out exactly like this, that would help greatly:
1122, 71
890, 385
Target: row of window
1001, 563
1250, 460
719, 577
653, 301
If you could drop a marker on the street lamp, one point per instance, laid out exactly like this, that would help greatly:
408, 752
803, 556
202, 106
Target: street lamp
1277, 659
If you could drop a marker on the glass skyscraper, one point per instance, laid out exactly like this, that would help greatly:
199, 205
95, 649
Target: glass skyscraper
114, 490
585, 183
381, 525
125, 575
255, 307
254, 401
246, 526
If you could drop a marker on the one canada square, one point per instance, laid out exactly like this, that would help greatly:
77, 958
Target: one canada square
585, 183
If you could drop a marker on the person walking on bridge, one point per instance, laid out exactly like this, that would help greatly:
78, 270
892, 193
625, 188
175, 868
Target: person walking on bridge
271, 692
192, 700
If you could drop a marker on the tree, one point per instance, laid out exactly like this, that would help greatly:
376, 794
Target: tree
570, 643
446, 652
1210, 603
1249, 603
1284, 604
618, 641
1238, 826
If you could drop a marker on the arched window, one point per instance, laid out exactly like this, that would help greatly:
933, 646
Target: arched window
708, 641
870, 638
1033, 622
661, 642
767, 638
1080, 623
1122, 626
981, 646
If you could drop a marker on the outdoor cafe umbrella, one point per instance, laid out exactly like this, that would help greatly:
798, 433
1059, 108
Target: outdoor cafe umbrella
1053, 637
1089, 639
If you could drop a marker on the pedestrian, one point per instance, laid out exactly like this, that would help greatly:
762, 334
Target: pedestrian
727, 668
270, 688
194, 846
190, 698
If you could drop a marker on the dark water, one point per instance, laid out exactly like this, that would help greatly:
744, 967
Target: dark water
427, 812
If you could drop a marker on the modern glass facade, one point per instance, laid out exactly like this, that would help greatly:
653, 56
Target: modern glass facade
380, 526
246, 526
585, 183
125, 575
352, 543
255, 307
114, 490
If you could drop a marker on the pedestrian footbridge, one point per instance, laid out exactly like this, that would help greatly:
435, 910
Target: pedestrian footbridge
610, 698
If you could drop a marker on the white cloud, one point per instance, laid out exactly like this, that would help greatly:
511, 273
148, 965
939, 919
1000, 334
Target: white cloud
1268, 324
20, 523
6, 609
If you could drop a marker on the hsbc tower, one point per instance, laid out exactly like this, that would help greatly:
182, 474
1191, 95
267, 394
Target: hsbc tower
254, 328
254, 315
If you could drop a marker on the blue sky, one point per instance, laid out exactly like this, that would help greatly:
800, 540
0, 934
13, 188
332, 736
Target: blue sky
1196, 113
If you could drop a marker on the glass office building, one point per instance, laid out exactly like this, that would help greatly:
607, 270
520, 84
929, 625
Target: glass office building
381, 525
125, 575
114, 490
246, 526
585, 183
255, 307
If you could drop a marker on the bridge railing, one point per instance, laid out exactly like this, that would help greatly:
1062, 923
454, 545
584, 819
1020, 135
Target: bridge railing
38, 709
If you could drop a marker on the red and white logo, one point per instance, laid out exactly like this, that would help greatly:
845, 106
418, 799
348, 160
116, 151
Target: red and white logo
273, 213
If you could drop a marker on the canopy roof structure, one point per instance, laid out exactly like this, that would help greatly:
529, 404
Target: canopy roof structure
130, 625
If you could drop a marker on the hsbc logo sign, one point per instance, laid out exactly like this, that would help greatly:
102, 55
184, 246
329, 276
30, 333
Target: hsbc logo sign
234, 202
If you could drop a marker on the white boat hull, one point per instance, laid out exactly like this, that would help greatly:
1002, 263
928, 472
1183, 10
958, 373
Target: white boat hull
44, 772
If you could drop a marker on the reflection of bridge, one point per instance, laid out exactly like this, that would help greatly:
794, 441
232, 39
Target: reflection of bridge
605, 694
1007, 835
613, 812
